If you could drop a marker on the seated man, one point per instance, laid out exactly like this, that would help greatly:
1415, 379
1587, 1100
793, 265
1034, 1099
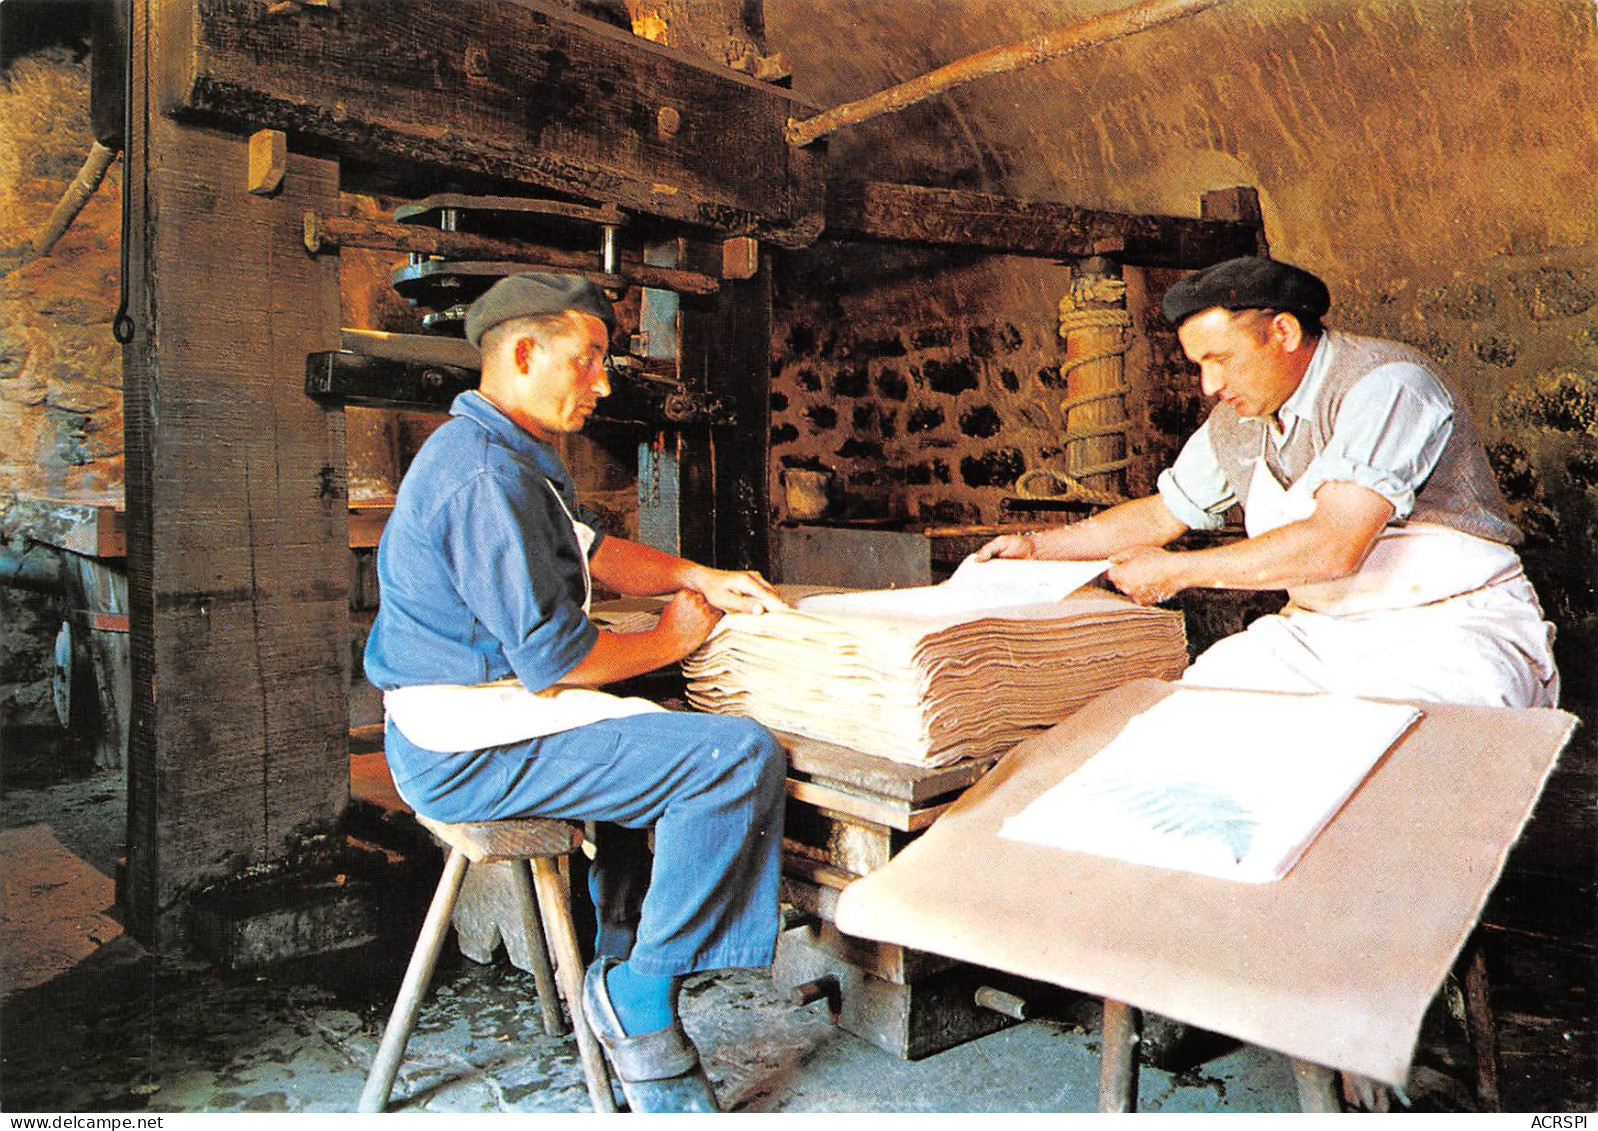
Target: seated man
488, 660
1366, 495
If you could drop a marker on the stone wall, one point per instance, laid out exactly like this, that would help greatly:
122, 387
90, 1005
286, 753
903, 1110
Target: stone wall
926, 383
60, 368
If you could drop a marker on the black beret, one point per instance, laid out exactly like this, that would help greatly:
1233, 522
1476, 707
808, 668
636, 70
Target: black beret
1250, 283
518, 296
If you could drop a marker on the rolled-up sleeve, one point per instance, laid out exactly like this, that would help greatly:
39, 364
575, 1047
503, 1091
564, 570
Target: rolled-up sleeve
1194, 488
1388, 436
509, 567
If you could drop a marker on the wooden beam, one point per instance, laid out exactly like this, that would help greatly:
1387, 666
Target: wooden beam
522, 92
998, 61
876, 210
238, 560
328, 232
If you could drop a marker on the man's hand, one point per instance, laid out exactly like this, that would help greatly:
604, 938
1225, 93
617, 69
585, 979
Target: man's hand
1147, 574
1008, 546
686, 621
736, 591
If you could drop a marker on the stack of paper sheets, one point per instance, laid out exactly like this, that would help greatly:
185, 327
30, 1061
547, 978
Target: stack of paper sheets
932, 675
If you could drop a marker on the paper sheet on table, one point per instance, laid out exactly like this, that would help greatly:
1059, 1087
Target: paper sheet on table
1231, 784
998, 583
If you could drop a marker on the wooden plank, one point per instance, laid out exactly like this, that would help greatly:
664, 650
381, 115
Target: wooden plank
877, 210
529, 93
828, 762
856, 805
237, 512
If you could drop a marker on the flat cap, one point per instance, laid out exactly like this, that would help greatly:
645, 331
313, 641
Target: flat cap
1252, 282
519, 296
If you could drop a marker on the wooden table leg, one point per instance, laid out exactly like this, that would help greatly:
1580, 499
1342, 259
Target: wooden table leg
1317, 1088
1122, 1029
1479, 1024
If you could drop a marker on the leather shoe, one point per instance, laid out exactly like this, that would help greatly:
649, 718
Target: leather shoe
659, 1071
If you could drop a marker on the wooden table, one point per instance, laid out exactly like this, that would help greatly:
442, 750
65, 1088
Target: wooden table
1334, 965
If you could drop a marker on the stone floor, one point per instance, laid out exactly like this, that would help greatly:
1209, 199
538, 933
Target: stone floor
91, 1023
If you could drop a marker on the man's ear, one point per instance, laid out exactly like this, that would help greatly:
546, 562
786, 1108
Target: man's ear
1286, 330
522, 353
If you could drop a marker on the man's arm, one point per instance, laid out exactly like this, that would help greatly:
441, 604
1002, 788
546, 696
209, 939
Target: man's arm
1139, 522
1331, 543
684, 623
636, 570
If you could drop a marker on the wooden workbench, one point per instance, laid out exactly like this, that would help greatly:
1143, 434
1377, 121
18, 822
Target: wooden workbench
1333, 965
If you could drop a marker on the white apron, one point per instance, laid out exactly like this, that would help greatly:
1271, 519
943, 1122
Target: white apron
452, 718
1433, 613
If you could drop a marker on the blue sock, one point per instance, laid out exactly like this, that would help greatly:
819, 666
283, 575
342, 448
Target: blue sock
644, 1002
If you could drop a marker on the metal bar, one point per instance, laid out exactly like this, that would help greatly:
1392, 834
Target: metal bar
323, 232
995, 61
385, 1066
1121, 1032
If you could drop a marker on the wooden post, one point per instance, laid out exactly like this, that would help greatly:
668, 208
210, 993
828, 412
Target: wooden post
1118, 1041
1317, 1088
236, 506
725, 350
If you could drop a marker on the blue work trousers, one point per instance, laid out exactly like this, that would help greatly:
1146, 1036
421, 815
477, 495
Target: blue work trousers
711, 786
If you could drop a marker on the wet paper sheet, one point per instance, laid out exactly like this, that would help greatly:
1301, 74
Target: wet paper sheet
1231, 784
1336, 963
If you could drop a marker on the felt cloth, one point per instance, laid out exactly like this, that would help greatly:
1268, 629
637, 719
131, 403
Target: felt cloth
1335, 964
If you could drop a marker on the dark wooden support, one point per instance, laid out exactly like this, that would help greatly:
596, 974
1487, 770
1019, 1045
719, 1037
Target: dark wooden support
236, 512
339, 378
1238, 205
724, 350
521, 92
877, 210
1122, 1029
1483, 1033
328, 232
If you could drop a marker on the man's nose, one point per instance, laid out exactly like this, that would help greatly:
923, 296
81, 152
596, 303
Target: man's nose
601, 382
1210, 381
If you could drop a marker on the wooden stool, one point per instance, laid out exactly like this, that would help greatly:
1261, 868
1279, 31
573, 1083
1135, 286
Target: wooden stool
541, 843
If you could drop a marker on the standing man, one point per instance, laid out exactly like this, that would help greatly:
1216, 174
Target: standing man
1366, 495
488, 664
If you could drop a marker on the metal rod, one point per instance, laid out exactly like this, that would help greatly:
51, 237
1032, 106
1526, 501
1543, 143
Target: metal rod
996, 61
325, 232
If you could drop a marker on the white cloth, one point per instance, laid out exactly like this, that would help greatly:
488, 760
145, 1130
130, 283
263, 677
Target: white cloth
1432, 614
452, 718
